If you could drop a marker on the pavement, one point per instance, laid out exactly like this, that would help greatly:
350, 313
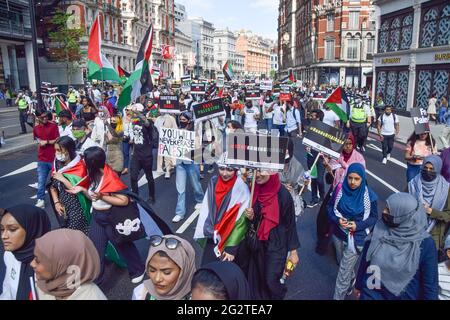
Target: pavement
313, 279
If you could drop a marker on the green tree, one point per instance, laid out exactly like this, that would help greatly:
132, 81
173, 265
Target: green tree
66, 42
273, 73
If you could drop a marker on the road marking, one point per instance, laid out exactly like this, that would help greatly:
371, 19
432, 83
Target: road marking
393, 160
188, 222
11, 126
28, 167
382, 181
143, 181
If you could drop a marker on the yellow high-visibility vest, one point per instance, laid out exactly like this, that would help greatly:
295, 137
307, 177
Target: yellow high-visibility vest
23, 104
358, 114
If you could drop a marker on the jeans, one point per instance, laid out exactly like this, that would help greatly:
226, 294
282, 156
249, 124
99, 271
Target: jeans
192, 170
100, 232
347, 261
43, 169
387, 145
126, 154
280, 128
412, 171
445, 136
269, 124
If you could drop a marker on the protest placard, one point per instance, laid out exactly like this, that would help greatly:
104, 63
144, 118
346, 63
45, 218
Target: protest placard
220, 82
420, 120
198, 88
285, 97
324, 138
186, 84
252, 94
266, 85
256, 151
285, 88
169, 104
175, 143
208, 110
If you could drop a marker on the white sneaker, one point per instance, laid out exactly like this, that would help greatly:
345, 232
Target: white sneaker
138, 279
384, 161
40, 204
388, 156
167, 175
33, 185
177, 219
198, 206
363, 149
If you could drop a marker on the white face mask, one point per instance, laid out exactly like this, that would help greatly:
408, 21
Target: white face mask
60, 157
227, 130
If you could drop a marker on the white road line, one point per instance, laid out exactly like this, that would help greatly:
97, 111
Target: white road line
143, 181
28, 167
188, 222
382, 181
393, 160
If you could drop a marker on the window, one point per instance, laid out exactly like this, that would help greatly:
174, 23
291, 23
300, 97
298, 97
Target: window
393, 86
396, 33
330, 22
329, 49
430, 81
370, 45
353, 18
352, 49
435, 26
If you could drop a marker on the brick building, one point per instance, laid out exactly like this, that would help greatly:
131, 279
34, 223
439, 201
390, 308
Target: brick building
256, 51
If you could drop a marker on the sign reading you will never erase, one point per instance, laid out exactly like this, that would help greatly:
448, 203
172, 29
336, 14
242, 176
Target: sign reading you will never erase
208, 110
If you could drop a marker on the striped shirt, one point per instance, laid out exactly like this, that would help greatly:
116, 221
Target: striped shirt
444, 281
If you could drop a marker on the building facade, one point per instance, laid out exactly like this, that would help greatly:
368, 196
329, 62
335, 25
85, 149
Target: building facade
184, 60
224, 48
327, 42
413, 54
239, 65
15, 42
180, 13
256, 51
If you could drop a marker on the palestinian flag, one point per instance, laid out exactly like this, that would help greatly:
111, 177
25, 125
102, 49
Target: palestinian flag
60, 105
110, 182
123, 74
338, 102
230, 227
99, 67
290, 79
140, 81
220, 94
228, 71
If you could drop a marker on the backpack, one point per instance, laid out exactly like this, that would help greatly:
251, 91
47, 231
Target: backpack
382, 122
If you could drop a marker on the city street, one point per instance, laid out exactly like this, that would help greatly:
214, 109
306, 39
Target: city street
315, 275
9, 122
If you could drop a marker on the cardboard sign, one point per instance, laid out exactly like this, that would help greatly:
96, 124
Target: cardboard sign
169, 104
266, 85
198, 88
276, 89
252, 94
285, 88
186, 84
325, 138
176, 85
175, 143
208, 110
420, 120
285, 97
220, 81
256, 151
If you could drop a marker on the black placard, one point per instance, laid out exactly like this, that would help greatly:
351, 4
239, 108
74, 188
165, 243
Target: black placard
208, 110
169, 104
198, 88
420, 120
325, 138
252, 94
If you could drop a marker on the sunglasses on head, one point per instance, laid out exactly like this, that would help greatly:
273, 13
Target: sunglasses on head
229, 169
171, 243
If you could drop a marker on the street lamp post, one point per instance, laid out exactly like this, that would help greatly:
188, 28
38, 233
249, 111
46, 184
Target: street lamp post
37, 76
360, 55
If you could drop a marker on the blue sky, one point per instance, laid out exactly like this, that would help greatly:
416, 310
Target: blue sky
260, 16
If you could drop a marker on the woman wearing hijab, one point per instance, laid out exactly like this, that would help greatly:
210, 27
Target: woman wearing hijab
271, 240
170, 266
433, 192
352, 214
220, 280
66, 264
336, 172
20, 226
401, 253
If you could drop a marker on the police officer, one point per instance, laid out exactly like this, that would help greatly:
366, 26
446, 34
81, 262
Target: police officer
360, 120
72, 99
22, 103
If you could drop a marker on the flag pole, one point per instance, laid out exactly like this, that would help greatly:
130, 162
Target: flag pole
253, 189
315, 162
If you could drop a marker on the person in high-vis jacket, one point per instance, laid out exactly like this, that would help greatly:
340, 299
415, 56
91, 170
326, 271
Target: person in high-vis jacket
22, 103
360, 121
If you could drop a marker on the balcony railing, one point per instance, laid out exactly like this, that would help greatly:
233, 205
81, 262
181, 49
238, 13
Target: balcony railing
14, 29
113, 10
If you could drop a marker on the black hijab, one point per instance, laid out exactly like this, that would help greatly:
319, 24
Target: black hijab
36, 223
232, 277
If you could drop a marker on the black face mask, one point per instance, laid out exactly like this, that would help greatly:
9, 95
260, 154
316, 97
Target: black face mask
113, 125
428, 176
184, 124
389, 221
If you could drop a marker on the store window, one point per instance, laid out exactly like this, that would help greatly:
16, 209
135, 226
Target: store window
392, 85
435, 26
432, 81
396, 32
352, 49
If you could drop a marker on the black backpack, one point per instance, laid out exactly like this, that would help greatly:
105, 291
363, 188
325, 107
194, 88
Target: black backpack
382, 122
